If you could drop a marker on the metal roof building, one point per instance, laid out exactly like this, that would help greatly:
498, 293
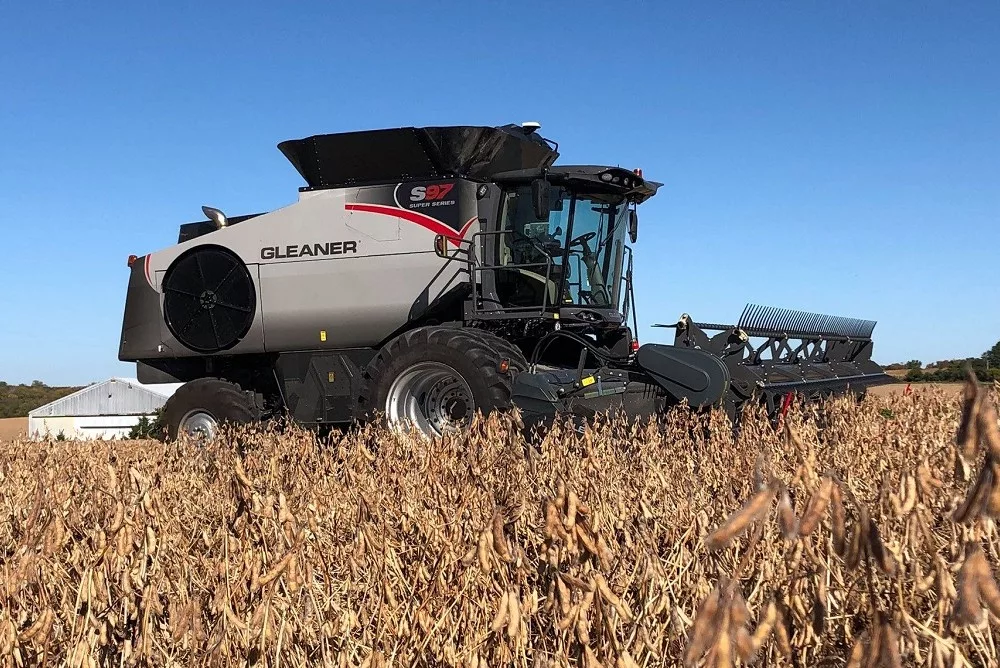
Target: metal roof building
108, 409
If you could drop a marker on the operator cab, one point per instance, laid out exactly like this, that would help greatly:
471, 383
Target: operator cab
539, 262
561, 242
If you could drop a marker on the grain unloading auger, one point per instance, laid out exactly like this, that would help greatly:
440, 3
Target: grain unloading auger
426, 274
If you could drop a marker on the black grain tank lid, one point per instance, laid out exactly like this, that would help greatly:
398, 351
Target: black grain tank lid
391, 155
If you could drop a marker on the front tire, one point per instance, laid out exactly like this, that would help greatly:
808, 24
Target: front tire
200, 407
435, 379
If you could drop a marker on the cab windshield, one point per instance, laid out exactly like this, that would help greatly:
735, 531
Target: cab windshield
574, 257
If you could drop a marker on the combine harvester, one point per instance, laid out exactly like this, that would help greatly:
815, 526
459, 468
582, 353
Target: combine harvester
428, 273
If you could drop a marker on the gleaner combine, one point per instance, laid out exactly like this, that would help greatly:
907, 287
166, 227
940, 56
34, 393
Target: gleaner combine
425, 274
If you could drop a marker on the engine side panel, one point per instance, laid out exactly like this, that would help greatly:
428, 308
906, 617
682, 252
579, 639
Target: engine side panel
338, 268
347, 304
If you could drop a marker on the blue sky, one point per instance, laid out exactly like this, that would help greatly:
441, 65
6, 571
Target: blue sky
837, 157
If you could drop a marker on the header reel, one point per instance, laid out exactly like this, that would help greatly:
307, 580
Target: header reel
772, 353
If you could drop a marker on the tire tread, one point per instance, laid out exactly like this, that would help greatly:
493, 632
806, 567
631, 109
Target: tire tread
215, 395
482, 349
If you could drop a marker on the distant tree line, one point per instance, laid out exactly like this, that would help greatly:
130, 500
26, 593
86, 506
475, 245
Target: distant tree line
986, 367
18, 400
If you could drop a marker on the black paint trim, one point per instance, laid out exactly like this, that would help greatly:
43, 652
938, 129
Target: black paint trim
200, 228
321, 387
408, 153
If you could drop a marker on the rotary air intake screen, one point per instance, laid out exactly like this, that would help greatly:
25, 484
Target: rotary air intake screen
209, 299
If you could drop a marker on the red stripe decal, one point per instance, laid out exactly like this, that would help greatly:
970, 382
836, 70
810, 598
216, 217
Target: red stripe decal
465, 228
432, 224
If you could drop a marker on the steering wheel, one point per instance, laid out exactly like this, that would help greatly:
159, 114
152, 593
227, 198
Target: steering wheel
582, 238
545, 247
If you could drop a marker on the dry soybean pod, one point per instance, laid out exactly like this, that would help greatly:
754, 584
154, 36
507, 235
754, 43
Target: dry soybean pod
816, 507
740, 520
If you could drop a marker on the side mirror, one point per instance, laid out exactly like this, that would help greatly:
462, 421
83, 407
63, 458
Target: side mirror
459, 254
633, 225
215, 216
441, 246
540, 198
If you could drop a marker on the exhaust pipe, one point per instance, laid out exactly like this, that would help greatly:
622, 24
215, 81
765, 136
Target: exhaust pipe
215, 216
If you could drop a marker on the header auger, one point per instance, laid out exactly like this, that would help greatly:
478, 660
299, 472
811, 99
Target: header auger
425, 274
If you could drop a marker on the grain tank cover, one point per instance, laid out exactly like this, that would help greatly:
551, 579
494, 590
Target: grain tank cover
385, 156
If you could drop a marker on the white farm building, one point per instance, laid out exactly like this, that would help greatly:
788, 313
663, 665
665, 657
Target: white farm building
108, 409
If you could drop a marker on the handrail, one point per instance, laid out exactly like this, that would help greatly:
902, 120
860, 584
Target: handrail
481, 267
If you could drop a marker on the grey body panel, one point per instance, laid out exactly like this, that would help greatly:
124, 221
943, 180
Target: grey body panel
349, 303
142, 318
338, 268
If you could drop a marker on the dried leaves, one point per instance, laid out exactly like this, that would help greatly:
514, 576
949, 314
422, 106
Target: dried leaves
878, 648
979, 425
976, 586
722, 631
862, 541
861, 546
601, 550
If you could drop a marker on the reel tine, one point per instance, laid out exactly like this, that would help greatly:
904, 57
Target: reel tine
771, 320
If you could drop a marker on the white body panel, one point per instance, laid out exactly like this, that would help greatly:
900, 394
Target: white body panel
338, 268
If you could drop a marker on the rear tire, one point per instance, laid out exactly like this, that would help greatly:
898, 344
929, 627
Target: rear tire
201, 406
509, 351
437, 378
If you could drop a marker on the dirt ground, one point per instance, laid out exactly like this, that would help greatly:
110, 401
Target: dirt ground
923, 388
13, 427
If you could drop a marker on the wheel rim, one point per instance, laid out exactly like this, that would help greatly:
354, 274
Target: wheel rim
198, 424
432, 397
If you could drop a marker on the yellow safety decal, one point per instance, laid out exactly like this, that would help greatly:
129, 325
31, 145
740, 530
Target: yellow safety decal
589, 380
322, 335
330, 377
